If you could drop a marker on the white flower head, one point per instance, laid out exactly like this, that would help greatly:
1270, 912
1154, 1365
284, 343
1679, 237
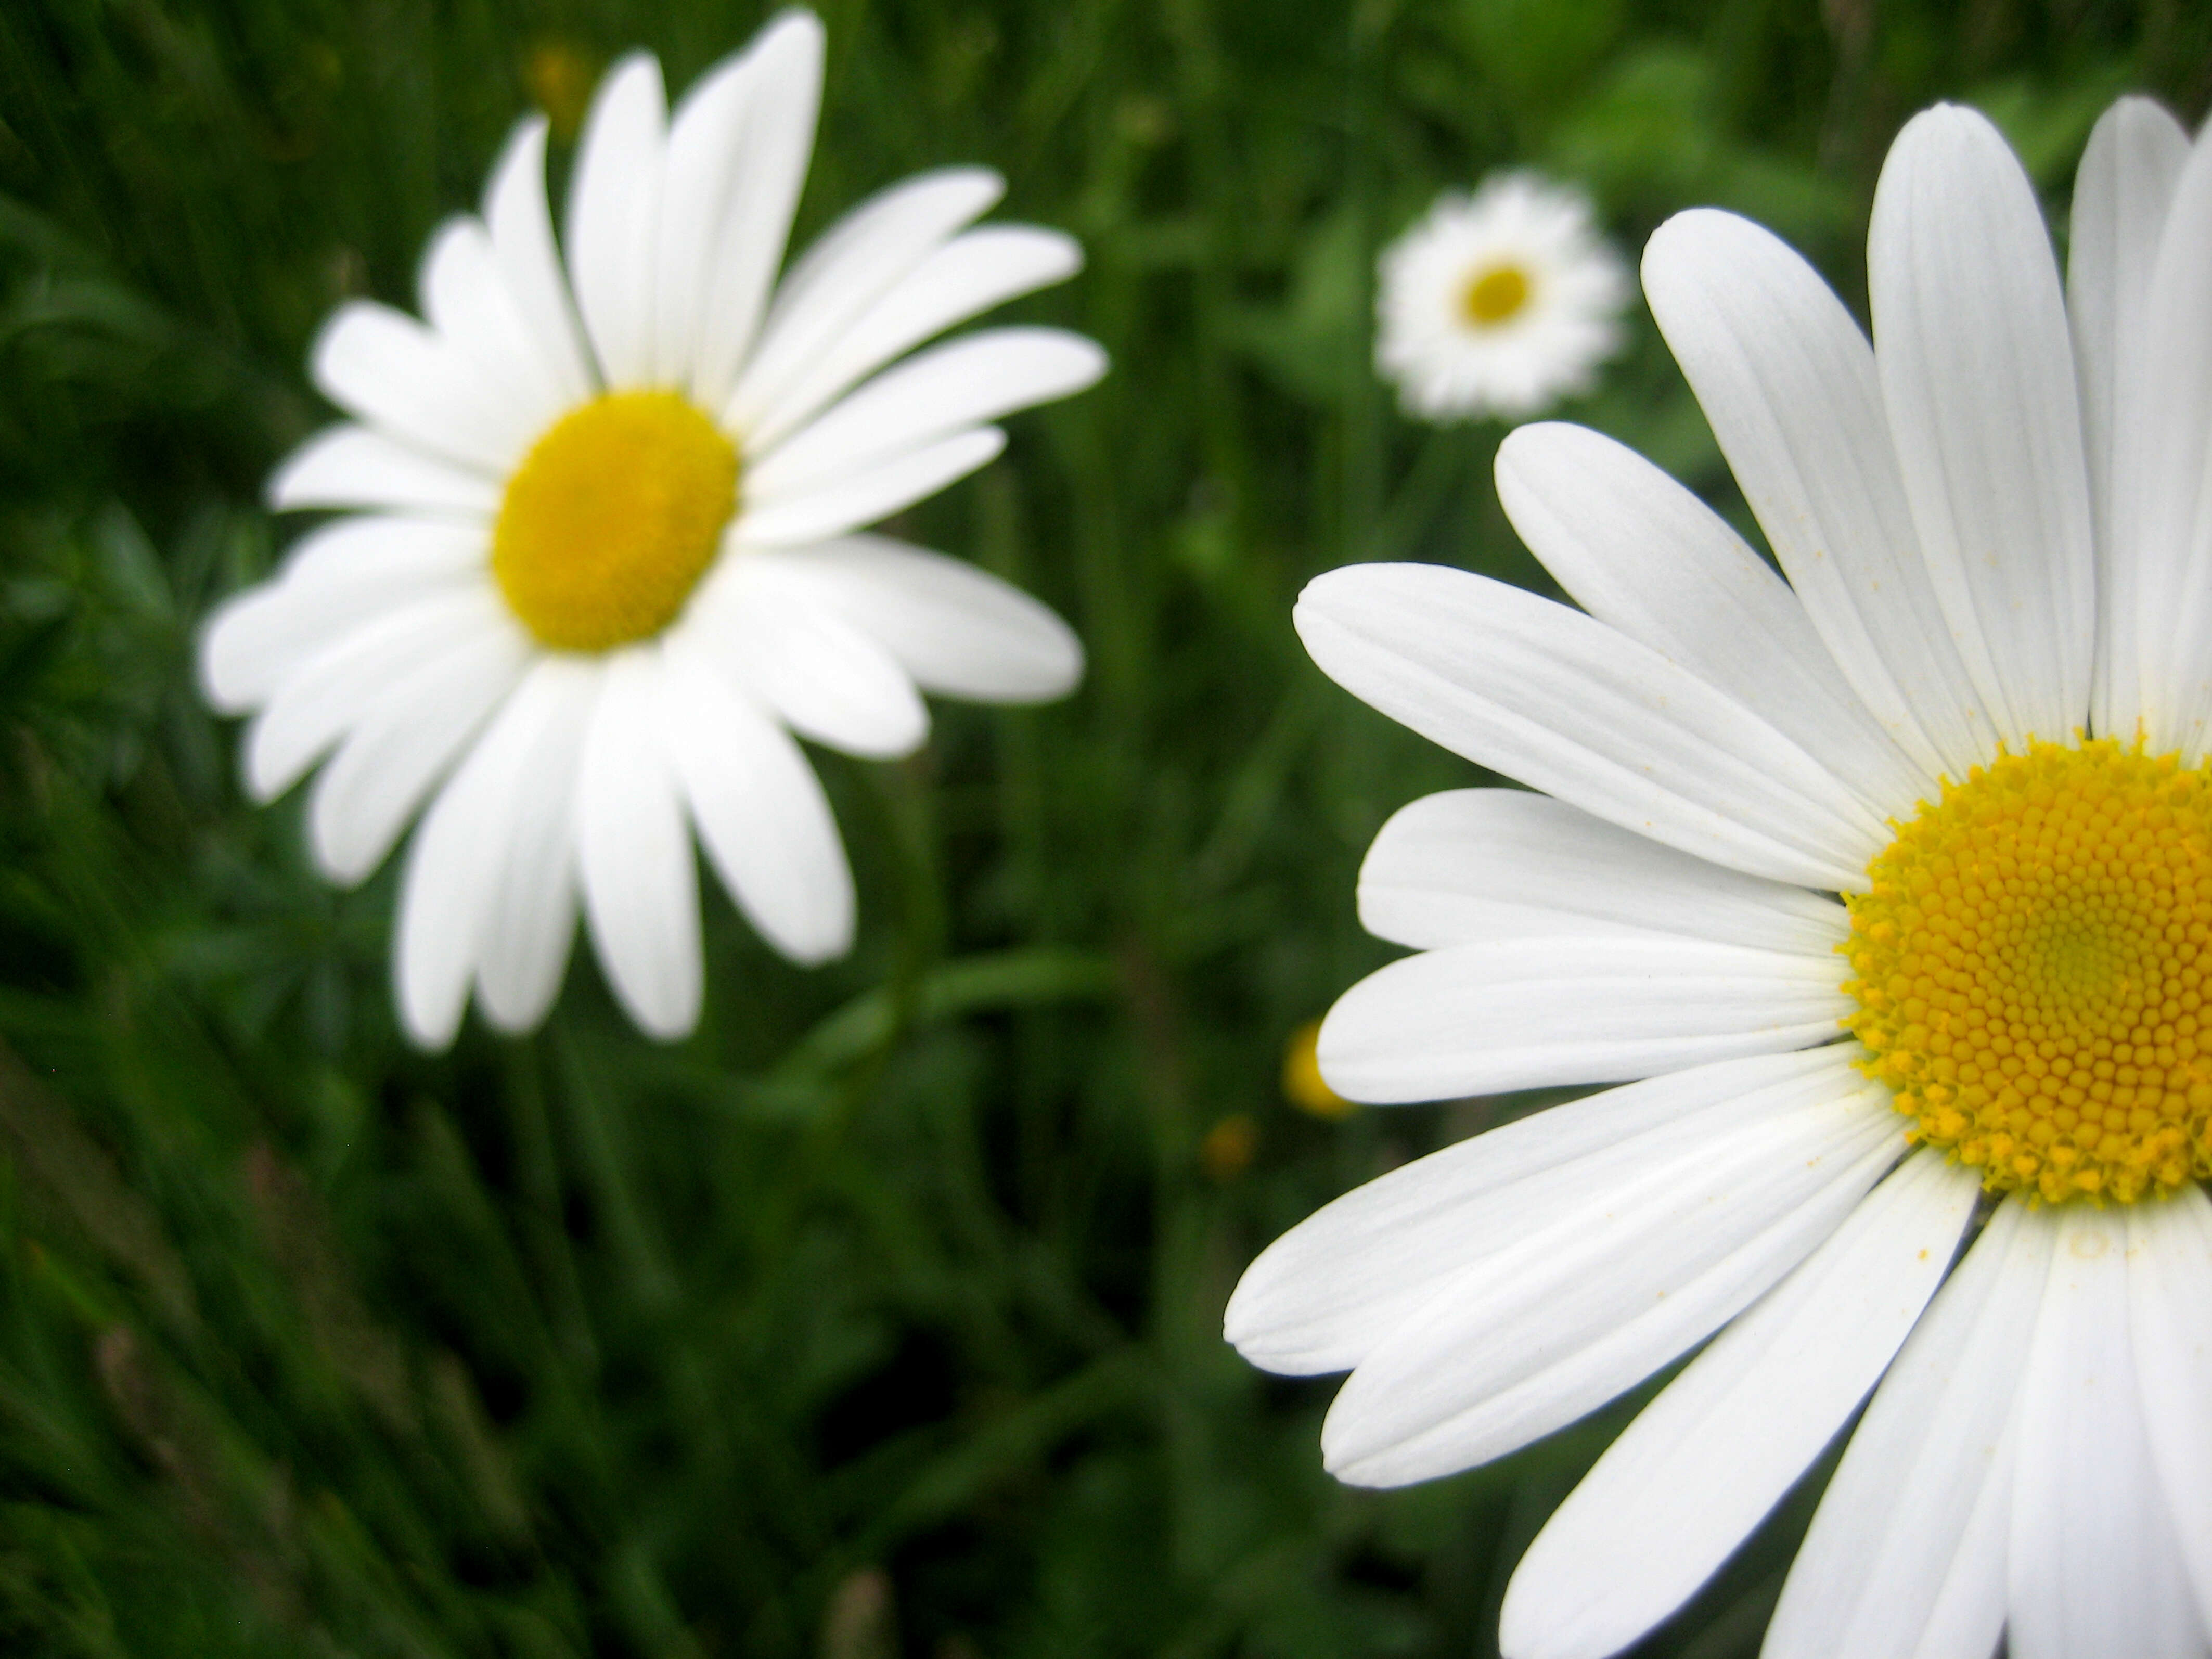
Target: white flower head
1498, 303
1887, 888
601, 556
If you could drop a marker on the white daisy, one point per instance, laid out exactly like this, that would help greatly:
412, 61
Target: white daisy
1498, 303
604, 550
1980, 711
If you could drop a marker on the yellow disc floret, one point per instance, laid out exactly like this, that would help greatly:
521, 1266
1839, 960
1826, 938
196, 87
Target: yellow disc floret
2031, 969
612, 518
1495, 296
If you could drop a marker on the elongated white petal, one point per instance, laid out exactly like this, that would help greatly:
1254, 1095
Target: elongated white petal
847, 502
329, 693
467, 299
2169, 1256
2166, 449
407, 736
1906, 1552
1470, 866
760, 810
339, 576
1977, 371
384, 368
957, 631
614, 212
640, 888
1545, 695
351, 466
2121, 195
2094, 1566
1642, 555
962, 383
1527, 1012
705, 139
769, 166
856, 261
1341, 1283
823, 675
1702, 1464
1602, 1294
1788, 382
529, 920
974, 271
455, 863
521, 229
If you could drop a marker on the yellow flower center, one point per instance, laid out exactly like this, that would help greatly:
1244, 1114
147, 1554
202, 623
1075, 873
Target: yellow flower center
2030, 970
612, 518
1495, 296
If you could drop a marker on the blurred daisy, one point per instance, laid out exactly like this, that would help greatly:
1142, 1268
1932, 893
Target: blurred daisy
1498, 303
1979, 712
605, 555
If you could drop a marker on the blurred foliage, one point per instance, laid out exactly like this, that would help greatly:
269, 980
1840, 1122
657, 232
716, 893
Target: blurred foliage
882, 1317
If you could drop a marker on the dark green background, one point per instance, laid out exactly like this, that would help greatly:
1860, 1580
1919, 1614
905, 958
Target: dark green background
910, 1267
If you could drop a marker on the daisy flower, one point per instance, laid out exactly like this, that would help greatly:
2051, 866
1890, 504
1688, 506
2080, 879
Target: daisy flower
1887, 894
1498, 303
600, 557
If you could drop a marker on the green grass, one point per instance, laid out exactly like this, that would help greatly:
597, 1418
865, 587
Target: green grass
883, 1314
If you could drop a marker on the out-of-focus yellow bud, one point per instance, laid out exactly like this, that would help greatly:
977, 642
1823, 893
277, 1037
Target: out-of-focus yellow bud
1303, 1083
1229, 1147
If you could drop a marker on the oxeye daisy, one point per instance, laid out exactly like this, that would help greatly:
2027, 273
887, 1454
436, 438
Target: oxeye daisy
600, 556
1498, 303
1886, 891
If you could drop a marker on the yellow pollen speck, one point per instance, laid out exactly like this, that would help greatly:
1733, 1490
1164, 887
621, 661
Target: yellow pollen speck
611, 520
2032, 966
1496, 296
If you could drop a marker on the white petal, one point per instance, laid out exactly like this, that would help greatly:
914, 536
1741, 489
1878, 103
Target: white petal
385, 368
1545, 695
1701, 1466
1332, 1289
337, 577
1788, 382
1906, 1552
769, 167
454, 864
1977, 371
405, 738
2094, 1565
2166, 454
1642, 555
956, 629
1617, 1281
467, 300
2170, 1324
848, 501
1529, 1012
351, 466
1474, 865
760, 810
530, 912
521, 229
614, 209
823, 675
705, 135
962, 383
330, 692
2121, 194
971, 273
853, 263
640, 888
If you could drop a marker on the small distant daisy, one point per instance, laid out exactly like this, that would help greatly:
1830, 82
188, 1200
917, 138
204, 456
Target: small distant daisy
1889, 891
1498, 303
602, 559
